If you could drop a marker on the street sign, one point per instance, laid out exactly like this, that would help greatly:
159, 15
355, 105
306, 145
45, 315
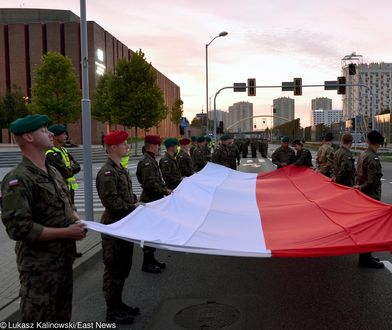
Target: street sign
239, 87
287, 86
184, 122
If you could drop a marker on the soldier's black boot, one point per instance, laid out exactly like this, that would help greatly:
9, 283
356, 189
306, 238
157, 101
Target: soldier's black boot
114, 313
149, 266
119, 302
366, 260
161, 265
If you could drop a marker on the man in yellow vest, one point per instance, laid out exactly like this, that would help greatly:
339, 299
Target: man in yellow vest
62, 160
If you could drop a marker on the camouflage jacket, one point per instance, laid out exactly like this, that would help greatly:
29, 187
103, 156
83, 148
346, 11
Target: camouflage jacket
221, 155
150, 177
31, 200
283, 156
343, 167
207, 152
233, 155
198, 159
324, 159
369, 174
185, 165
303, 158
170, 171
114, 188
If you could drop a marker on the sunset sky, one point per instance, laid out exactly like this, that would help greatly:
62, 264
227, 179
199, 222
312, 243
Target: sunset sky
272, 41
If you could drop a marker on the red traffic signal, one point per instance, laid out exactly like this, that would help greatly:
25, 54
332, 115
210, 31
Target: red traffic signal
341, 81
251, 87
297, 86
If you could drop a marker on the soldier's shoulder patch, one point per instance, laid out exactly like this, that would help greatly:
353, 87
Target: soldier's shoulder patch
146, 164
13, 183
376, 158
165, 161
108, 173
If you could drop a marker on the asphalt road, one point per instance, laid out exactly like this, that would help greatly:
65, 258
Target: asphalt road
253, 293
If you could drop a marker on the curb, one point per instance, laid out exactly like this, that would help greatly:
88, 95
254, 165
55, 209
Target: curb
11, 311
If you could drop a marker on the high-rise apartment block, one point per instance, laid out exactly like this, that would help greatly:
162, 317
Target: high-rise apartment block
322, 103
240, 115
283, 110
326, 117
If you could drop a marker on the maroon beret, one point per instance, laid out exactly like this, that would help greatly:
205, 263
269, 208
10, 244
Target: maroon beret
184, 142
152, 139
115, 137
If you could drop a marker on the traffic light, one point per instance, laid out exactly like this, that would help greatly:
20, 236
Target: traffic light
353, 124
352, 69
251, 87
341, 89
297, 86
370, 125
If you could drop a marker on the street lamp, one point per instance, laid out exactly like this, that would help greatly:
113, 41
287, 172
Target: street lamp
222, 34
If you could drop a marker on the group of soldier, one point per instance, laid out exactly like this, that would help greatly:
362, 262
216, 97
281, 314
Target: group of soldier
337, 163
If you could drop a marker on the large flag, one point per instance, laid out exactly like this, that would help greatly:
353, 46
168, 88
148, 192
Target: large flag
289, 212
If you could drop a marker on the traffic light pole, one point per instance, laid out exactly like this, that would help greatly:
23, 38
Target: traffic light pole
280, 86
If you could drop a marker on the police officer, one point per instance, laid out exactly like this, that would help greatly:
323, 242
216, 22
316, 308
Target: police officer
198, 155
38, 213
368, 181
343, 167
114, 188
60, 158
284, 155
184, 160
168, 164
303, 156
154, 187
221, 153
324, 158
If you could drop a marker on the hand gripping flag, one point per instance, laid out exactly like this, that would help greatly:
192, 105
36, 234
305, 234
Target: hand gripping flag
289, 212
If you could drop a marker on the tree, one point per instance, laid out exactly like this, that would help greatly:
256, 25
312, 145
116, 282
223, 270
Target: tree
196, 122
177, 112
138, 100
55, 91
104, 102
12, 107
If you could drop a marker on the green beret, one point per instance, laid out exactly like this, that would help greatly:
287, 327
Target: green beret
57, 129
28, 124
201, 139
170, 142
208, 139
284, 139
225, 137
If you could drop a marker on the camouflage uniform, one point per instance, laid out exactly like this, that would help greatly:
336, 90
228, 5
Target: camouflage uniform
324, 159
233, 155
283, 155
114, 188
207, 151
185, 165
55, 159
369, 174
253, 148
245, 147
303, 158
31, 200
343, 167
221, 155
170, 171
198, 159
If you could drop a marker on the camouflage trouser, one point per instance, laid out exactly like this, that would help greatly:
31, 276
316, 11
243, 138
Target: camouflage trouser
117, 258
46, 296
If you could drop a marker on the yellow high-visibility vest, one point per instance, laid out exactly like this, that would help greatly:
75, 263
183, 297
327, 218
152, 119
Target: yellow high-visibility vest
72, 184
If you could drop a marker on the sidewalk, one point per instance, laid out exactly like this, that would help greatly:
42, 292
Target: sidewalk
90, 247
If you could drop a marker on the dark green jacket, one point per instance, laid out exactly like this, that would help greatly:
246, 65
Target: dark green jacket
114, 188
303, 158
170, 171
221, 155
198, 159
343, 167
31, 200
369, 174
184, 162
282, 155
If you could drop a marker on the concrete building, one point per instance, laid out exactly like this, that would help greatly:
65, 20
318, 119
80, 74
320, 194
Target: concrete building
27, 34
358, 100
283, 110
326, 117
239, 111
220, 116
322, 103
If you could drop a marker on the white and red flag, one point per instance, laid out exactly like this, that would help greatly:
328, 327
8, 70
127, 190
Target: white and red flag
289, 212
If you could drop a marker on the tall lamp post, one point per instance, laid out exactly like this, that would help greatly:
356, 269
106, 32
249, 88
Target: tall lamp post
222, 34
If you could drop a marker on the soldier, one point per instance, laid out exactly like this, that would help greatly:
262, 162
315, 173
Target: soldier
233, 154
284, 155
303, 156
114, 188
184, 161
264, 148
38, 213
343, 162
221, 152
253, 147
368, 181
324, 158
154, 187
198, 155
60, 158
245, 147
168, 164
193, 146
208, 149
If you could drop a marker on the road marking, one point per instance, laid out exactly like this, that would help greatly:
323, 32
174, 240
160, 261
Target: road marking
387, 265
261, 160
383, 179
249, 161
